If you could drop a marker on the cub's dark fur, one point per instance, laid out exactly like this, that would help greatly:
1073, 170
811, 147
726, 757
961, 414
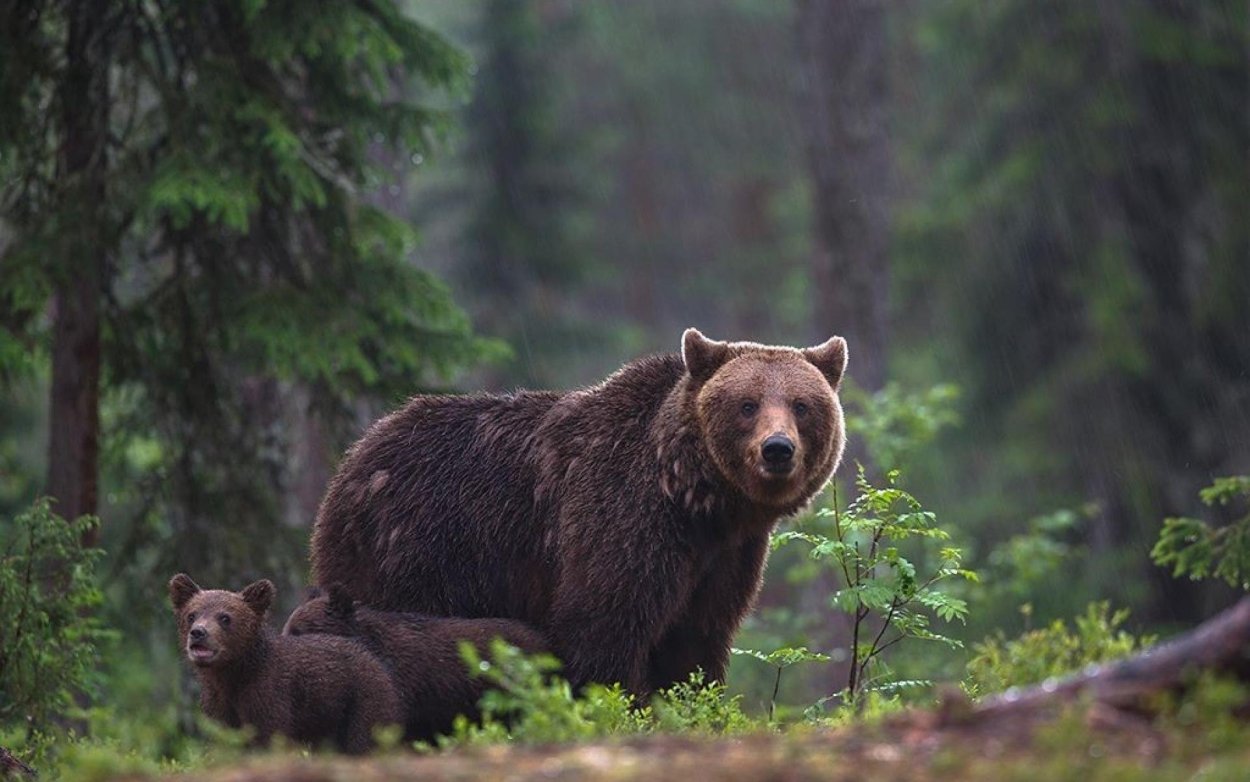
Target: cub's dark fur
314, 690
422, 652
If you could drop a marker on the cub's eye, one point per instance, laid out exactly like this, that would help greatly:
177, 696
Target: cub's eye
191, 617
223, 620
800, 409
749, 408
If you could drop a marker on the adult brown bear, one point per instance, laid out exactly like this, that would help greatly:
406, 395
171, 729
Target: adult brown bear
628, 521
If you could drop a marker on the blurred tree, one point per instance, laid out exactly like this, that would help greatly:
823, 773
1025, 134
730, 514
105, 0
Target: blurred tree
183, 192
845, 55
1085, 236
706, 215
524, 253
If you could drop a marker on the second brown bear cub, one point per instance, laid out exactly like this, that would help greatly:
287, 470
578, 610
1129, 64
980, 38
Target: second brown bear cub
423, 653
313, 690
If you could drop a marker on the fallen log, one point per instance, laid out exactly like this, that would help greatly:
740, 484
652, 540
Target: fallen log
1220, 645
12, 766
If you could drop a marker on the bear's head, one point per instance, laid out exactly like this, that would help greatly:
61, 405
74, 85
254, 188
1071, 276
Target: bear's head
769, 416
216, 626
330, 611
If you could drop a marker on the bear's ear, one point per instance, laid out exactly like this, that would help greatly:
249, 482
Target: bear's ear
181, 589
340, 600
830, 358
702, 356
258, 595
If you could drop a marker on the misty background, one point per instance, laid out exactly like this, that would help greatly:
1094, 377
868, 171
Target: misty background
1031, 220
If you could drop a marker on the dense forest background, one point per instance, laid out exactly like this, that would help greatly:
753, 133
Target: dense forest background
1031, 222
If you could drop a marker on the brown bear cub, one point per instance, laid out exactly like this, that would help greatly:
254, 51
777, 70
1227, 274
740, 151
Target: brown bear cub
422, 652
628, 522
312, 690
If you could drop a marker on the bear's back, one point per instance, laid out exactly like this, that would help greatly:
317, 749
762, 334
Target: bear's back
449, 506
451, 463
324, 678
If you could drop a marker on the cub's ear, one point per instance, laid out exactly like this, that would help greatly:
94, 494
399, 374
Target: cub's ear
258, 595
830, 358
340, 600
181, 589
702, 356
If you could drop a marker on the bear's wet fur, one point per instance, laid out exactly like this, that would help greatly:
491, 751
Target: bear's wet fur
314, 690
422, 653
628, 522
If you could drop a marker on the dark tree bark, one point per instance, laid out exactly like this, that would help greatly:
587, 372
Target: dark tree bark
73, 443
845, 70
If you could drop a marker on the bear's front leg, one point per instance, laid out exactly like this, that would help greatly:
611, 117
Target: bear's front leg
607, 616
701, 637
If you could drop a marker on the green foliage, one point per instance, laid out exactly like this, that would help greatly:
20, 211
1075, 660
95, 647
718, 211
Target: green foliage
1055, 650
882, 584
49, 640
529, 703
1199, 550
699, 706
896, 422
780, 659
1041, 571
248, 281
1025, 560
1093, 325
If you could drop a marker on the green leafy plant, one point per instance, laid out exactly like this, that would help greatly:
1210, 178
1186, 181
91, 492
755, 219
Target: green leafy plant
1055, 650
780, 659
895, 422
697, 706
529, 703
1200, 550
889, 595
48, 636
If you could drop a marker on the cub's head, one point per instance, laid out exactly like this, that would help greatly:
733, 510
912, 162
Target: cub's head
770, 416
329, 611
216, 626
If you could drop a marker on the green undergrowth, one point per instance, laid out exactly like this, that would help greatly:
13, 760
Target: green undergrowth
1201, 736
81, 701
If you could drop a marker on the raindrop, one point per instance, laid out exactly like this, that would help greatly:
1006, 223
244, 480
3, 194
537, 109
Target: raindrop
393, 190
379, 137
417, 158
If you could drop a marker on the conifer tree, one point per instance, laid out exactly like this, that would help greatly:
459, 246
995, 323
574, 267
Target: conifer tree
186, 227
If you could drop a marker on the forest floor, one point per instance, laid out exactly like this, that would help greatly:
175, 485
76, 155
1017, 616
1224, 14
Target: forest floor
1081, 744
1176, 711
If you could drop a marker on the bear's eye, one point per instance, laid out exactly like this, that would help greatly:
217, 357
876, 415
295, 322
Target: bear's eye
800, 409
749, 408
191, 617
224, 619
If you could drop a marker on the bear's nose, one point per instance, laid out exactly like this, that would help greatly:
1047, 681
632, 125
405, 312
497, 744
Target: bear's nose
198, 633
778, 450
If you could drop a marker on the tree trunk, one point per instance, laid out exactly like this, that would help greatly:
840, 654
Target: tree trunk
844, 67
73, 444
845, 72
